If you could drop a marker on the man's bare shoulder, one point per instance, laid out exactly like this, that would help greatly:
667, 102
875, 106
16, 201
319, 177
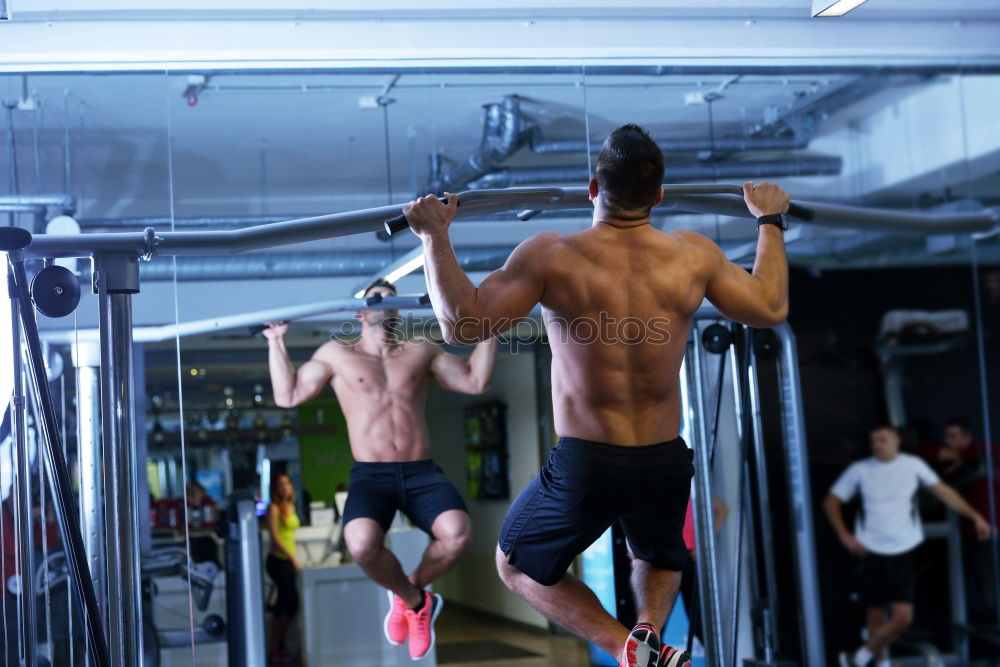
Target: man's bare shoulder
537, 245
693, 238
334, 349
423, 346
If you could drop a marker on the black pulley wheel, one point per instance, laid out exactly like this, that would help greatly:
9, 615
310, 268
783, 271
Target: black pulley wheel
214, 625
55, 291
765, 344
716, 338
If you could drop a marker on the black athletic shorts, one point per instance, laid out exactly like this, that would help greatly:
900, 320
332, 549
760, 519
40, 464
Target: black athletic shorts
882, 580
583, 488
418, 489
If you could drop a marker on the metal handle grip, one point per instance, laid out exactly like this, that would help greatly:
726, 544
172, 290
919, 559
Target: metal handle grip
395, 225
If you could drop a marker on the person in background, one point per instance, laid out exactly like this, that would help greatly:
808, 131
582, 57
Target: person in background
886, 531
282, 565
202, 514
962, 461
957, 457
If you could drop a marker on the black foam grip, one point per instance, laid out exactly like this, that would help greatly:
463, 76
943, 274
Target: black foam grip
395, 225
801, 212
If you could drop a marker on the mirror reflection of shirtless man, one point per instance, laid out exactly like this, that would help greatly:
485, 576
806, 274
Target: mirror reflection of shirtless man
381, 384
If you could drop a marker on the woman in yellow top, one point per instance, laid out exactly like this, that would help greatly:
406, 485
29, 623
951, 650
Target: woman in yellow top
281, 562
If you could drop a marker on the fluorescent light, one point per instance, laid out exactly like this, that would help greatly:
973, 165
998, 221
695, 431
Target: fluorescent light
405, 265
834, 7
406, 269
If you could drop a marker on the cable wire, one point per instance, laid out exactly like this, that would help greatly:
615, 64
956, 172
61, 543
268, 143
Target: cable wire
180, 384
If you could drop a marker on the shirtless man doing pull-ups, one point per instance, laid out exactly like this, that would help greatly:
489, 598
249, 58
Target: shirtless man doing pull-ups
381, 384
619, 300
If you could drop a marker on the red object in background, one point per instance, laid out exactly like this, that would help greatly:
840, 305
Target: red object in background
208, 516
175, 510
980, 497
929, 452
8, 567
688, 530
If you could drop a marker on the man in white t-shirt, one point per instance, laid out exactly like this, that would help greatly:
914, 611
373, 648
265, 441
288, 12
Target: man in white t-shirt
886, 531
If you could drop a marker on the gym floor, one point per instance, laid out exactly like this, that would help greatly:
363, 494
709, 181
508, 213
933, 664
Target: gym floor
471, 638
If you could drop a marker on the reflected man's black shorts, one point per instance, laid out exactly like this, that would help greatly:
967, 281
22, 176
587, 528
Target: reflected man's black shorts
882, 580
418, 489
583, 488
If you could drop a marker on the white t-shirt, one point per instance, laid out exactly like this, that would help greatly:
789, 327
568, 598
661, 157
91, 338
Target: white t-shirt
888, 522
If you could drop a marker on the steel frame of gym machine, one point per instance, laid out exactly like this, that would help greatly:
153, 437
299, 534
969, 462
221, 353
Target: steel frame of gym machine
753, 509
115, 277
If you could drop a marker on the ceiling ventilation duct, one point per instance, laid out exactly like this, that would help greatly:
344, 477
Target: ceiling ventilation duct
265, 266
697, 171
503, 134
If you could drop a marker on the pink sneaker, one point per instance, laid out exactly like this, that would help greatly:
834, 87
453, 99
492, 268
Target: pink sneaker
422, 625
673, 657
642, 649
395, 625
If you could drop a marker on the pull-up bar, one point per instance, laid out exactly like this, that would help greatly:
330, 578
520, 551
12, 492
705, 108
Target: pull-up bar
721, 199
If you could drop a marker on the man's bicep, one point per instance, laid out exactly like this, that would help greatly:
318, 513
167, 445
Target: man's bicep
734, 292
508, 294
312, 376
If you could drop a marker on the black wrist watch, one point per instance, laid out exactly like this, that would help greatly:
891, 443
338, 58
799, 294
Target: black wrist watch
778, 220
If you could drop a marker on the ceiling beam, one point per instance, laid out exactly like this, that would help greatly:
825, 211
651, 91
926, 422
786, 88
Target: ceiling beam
439, 38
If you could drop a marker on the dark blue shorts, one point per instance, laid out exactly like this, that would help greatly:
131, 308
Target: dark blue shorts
583, 488
418, 489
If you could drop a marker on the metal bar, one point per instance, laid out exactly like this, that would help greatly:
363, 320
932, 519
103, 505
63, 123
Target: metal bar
956, 581
195, 327
22, 492
741, 514
479, 202
925, 68
984, 393
851, 217
63, 494
21, 208
742, 411
708, 573
87, 359
64, 202
250, 586
120, 519
796, 456
764, 511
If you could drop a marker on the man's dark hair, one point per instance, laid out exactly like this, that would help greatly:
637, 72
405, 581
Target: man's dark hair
885, 426
380, 282
960, 422
629, 170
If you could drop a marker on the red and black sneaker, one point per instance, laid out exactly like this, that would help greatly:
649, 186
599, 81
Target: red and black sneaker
642, 648
674, 657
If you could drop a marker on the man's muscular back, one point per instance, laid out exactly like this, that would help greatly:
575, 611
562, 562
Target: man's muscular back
618, 306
